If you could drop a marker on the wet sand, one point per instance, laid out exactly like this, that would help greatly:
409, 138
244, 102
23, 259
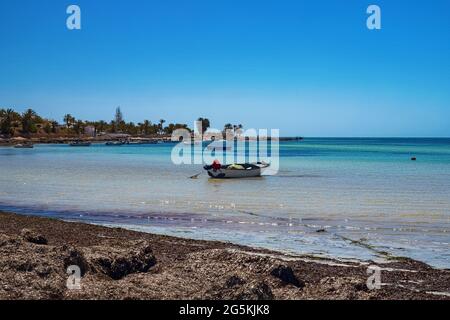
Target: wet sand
122, 264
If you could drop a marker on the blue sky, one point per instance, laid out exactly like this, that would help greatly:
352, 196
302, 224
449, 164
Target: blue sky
309, 68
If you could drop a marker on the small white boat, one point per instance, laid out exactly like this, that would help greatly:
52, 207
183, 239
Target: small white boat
24, 146
115, 143
139, 142
237, 170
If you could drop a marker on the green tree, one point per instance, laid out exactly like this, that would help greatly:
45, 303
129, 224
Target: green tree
101, 126
131, 128
54, 126
238, 130
29, 118
113, 127
174, 126
8, 118
227, 127
122, 126
48, 128
161, 126
69, 120
147, 127
78, 127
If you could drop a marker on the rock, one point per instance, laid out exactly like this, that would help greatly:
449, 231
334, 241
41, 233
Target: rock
255, 291
343, 288
234, 281
285, 274
33, 237
75, 257
117, 263
5, 240
43, 271
361, 286
23, 266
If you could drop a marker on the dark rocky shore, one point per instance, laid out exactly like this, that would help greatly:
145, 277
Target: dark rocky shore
121, 264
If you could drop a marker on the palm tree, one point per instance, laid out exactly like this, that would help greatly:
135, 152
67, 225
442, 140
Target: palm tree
69, 120
79, 127
54, 126
205, 124
7, 119
174, 126
160, 126
227, 128
146, 127
29, 121
48, 128
239, 130
130, 128
113, 126
101, 125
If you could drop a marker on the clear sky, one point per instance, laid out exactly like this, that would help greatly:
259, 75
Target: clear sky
309, 68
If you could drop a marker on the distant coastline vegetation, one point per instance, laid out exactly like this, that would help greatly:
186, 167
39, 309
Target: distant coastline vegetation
31, 125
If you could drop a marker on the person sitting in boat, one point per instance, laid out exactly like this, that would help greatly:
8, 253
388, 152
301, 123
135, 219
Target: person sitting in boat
216, 165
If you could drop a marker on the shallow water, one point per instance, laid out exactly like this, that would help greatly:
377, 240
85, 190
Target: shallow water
361, 189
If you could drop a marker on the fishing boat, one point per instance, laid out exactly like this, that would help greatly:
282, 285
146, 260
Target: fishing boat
24, 146
139, 142
115, 143
236, 170
80, 144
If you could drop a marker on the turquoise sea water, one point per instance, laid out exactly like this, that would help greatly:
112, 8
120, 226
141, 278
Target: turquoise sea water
361, 189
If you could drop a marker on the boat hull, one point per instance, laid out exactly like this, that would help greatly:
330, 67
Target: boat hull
77, 144
114, 143
249, 170
233, 174
24, 146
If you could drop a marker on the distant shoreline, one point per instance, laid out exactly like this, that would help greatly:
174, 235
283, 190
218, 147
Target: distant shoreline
65, 140
13, 141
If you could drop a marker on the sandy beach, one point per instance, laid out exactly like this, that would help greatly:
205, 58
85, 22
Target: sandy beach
123, 264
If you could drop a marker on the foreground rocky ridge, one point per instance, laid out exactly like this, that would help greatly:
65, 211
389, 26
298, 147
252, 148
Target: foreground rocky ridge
121, 264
